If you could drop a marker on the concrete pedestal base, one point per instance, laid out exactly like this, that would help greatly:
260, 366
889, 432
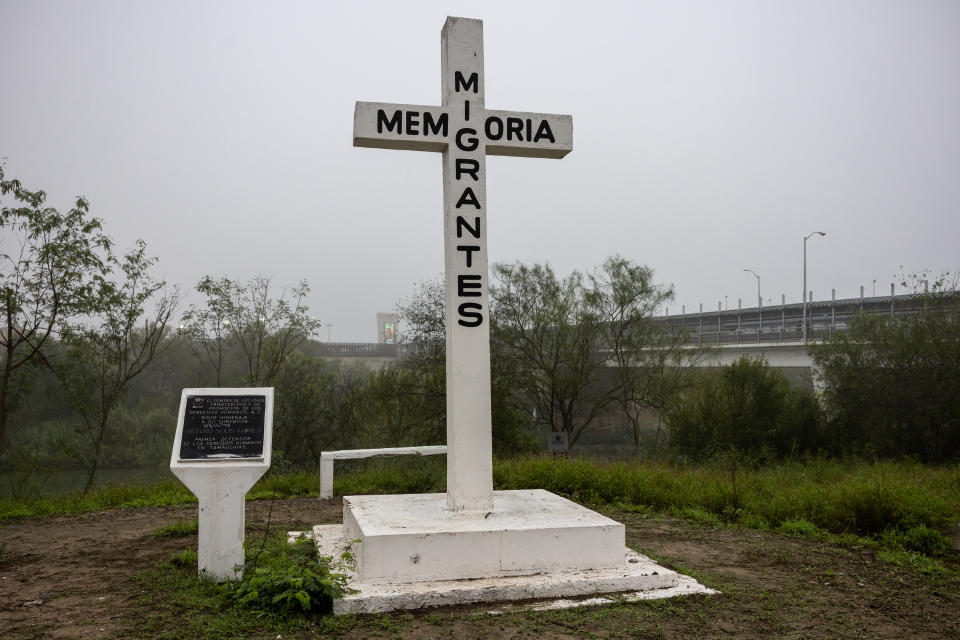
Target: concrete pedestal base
636, 578
416, 537
412, 552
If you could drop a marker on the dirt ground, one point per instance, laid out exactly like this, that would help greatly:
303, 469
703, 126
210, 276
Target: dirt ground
73, 577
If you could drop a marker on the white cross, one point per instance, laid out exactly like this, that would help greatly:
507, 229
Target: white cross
465, 131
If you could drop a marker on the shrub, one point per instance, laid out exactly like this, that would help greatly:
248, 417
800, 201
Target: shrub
893, 385
290, 578
746, 408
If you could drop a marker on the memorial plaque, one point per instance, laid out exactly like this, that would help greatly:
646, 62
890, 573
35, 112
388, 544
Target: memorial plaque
223, 427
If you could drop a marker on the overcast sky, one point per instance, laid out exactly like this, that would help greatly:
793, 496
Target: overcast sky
709, 137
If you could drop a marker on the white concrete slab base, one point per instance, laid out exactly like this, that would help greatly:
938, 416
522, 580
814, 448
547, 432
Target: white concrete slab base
635, 576
417, 537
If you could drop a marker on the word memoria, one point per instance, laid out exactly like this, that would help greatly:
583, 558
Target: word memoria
495, 128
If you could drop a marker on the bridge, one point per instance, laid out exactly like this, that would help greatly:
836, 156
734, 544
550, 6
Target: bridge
772, 332
784, 322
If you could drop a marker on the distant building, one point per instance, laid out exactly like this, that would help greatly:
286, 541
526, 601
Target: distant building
387, 328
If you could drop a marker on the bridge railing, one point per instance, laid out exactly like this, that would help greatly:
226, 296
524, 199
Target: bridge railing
771, 335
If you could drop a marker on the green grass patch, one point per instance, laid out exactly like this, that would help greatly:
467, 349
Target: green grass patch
908, 559
801, 528
177, 530
402, 474
836, 497
895, 505
161, 494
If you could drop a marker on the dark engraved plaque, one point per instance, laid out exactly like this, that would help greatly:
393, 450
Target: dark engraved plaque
223, 427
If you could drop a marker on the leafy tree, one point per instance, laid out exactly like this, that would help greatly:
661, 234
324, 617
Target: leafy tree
650, 362
320, 406
418, 383
112, 346
892, 385
52, 264
554, 336
264, 330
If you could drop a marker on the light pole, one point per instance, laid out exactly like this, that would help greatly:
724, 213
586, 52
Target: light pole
805, 238
759, 299
328, 331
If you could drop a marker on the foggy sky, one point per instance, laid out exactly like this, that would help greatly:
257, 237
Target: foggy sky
709, 137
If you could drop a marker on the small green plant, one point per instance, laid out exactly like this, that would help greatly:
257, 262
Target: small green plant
701, 516
284, 579
753, 521
801, 529
177, 530
184, 560
920, 538
919, 562
925, 540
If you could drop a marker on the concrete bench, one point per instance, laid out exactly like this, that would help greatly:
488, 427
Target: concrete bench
327, 458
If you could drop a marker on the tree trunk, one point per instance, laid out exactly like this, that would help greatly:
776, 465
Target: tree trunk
4, 387
93, 467
98, 449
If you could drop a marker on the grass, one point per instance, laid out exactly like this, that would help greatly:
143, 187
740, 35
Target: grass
177, 530
164, 493
837, 497
901, 506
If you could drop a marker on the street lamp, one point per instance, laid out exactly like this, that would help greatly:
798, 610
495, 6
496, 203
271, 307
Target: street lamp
805, 238
759, 300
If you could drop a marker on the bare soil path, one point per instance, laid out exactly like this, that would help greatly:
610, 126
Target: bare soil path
74, 577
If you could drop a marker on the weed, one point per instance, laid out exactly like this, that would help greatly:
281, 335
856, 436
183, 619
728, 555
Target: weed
920, 563
700, 516
283, 579
177, 529
753, 521
801, 528
184, 560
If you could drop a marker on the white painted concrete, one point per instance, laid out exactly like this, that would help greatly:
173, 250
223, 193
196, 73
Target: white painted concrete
221, 486
327, 458
413, 537
635, 575
465, 133
685, 586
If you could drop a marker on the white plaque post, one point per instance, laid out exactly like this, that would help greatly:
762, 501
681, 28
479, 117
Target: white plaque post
221, 449
465, 131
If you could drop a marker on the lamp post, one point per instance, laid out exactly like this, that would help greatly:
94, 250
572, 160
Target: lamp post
805, 238
759, 300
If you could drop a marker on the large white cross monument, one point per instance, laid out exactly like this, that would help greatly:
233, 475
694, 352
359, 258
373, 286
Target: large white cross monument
476, 544
465, 132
